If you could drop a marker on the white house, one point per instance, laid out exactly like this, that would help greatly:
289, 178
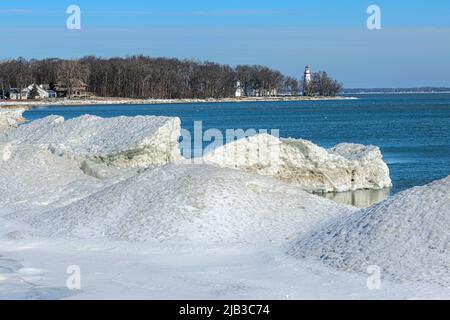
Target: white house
42, 94
239, 91
52, 94
14, 94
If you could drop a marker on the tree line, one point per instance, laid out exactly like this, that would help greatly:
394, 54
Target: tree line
322, 85
160, 78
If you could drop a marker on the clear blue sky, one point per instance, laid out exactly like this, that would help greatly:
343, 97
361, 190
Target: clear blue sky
413, 47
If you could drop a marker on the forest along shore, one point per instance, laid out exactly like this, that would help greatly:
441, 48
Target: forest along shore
112, 101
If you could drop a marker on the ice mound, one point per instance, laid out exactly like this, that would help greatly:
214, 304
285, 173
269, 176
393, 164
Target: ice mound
346, 167
52, 162
141, 141
407, 236
10, 118
197, 203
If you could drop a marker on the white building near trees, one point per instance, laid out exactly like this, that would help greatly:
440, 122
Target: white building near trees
239, 91
41, 92
307, 75
307, 81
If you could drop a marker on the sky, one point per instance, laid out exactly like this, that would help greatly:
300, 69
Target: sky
412, 48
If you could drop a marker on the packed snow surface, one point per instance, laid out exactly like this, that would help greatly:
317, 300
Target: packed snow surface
186, 202
407, 236
346, 167
121, 141
52, 162
10, 118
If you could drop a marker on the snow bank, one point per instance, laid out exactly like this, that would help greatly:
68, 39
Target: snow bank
191, 203
407, 236
10, 118
122, 141
346, 167
52, 162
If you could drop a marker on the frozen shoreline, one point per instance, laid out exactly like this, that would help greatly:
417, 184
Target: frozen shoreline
84, 193
121, 101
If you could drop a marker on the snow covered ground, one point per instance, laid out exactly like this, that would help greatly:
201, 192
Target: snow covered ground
407, 236
10, 118
111, 198
117, 101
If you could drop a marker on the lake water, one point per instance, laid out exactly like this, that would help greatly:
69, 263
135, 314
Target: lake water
412, 130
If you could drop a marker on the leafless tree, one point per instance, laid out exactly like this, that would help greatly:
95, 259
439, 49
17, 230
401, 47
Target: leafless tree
70, 72
146, 77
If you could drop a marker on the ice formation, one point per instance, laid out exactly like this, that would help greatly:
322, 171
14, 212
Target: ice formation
77, 178
54, 162
407, 236
346, 167
188, 202
70, 189
10, 118
122, 141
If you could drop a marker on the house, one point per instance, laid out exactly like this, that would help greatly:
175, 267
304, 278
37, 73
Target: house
14, 94
80, 90
52, 94
41, 92
60, 89
239, 91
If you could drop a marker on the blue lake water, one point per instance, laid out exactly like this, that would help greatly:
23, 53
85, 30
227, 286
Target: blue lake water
412, 130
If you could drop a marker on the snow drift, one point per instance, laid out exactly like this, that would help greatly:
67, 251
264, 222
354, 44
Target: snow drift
10, 118
121, 141
186, 202
54, 162
407, 236
346, 167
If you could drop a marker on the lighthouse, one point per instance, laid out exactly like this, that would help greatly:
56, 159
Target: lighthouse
307, 81
307, 76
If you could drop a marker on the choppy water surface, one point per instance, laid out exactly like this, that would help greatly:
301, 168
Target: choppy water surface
412, 130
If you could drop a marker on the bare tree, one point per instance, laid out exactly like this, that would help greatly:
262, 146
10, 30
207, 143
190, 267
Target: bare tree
70, 72
323, 85
146, 77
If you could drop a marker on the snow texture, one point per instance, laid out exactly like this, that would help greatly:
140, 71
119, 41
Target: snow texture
94, 192
407, 236
10, 118
122, 141
185, 202
346, 167
52, 162
138, 142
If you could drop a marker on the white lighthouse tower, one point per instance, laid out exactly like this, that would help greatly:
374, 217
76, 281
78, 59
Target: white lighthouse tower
307, 81
307, 76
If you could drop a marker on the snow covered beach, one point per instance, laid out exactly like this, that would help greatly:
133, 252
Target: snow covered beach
121, 101
114, 197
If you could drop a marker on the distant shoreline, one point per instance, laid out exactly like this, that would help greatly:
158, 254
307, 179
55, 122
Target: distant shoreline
123, 101
406, 92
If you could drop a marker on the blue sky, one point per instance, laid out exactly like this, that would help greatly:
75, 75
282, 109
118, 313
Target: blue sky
411, 49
